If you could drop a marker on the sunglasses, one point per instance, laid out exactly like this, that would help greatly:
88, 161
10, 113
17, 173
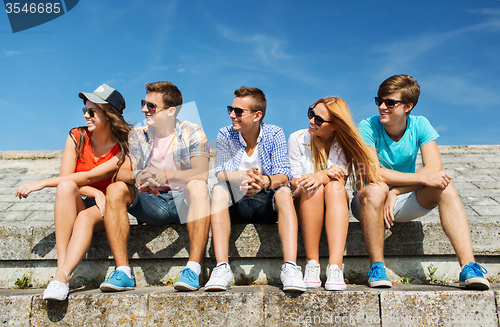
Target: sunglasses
317, 119
389, 103
152, 108
237, 111
90, 111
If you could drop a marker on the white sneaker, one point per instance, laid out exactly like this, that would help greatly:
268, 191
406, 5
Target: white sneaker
220, 278
291, 277
311, 276
335, 279
56, 291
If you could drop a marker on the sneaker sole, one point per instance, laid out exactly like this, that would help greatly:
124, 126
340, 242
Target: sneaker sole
381, 284
184, 287
313, 284
54, 298
216, 288
335, 287
113, 288
294, 289
476, 284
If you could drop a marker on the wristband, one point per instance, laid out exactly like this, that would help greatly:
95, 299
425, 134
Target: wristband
268, 186
135, 174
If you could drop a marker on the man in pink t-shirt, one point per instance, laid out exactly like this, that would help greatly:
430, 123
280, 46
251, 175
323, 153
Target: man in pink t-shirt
164, 182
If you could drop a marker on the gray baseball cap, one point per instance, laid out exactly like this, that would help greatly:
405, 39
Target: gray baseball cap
105, 94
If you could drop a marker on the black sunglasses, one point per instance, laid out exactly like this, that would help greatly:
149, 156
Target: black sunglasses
151, 106
90, 111
389, 103
317, 119
237, 111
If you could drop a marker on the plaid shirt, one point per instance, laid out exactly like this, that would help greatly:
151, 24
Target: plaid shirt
189, 141
273, 151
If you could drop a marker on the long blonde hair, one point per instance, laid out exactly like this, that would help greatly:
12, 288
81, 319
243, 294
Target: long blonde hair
359, 160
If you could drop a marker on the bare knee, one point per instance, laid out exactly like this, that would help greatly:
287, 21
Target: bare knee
219, 195
84, 220
67, 188
116, 192
283, 197
196, 190
335, 190
374, 194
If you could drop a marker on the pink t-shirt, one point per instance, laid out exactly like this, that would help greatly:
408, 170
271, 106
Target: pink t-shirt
163, 159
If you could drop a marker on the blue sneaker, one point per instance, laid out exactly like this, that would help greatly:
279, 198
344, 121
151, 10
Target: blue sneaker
117, 281
472, 277
188, 281
378, 276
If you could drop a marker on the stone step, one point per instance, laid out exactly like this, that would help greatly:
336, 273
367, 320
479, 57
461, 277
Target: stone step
27, 245
402, 305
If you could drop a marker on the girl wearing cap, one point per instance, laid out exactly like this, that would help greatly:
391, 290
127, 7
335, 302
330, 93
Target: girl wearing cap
91, 159
322, 157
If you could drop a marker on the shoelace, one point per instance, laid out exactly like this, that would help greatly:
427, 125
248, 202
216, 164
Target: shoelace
115, 272
296, 270
376, 272
312, 270
335, 274
56, 286
477, 268
219, 271
189, 274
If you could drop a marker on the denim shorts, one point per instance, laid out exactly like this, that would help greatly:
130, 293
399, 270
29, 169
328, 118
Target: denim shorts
244, 209
406, 208
88, 201
167, 208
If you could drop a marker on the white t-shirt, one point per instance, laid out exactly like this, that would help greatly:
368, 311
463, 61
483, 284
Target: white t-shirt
299, 152
249, 162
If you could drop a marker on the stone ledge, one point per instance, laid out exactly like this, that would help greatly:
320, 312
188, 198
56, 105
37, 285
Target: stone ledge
256, 306
248, 241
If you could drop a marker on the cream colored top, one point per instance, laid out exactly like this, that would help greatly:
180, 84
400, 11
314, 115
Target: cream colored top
299, 152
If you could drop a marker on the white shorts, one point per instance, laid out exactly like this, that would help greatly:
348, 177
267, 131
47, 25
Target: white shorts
406, 208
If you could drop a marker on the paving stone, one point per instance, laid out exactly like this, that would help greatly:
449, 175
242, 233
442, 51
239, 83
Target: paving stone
43, 206
486, 184
101, 309
481, 201
238, 307
15, 243
9, 216
438, 308
486, 210
15, 310
46, 216
4, 206
314, 308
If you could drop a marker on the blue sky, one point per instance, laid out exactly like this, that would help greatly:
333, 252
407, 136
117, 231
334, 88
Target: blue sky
295, 51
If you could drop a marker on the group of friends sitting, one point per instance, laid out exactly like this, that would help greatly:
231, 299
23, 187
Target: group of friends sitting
158, 173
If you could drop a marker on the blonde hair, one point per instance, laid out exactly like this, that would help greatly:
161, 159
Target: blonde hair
359, 161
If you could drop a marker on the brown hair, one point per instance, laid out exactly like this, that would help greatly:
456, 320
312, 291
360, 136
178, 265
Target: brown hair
172, 97
406, 85
259, 102
360, 163
119, 127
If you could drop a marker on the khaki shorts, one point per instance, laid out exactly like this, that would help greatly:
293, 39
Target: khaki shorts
406, 208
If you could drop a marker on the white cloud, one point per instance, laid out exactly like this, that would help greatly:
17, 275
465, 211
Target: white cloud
11, 53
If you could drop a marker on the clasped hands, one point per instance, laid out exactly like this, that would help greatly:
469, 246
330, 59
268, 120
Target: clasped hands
311, 182
253, 182
149, 179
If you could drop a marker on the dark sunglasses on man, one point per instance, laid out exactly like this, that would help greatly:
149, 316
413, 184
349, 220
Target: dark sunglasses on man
237, 111
317, 119
389, 103
152, 108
